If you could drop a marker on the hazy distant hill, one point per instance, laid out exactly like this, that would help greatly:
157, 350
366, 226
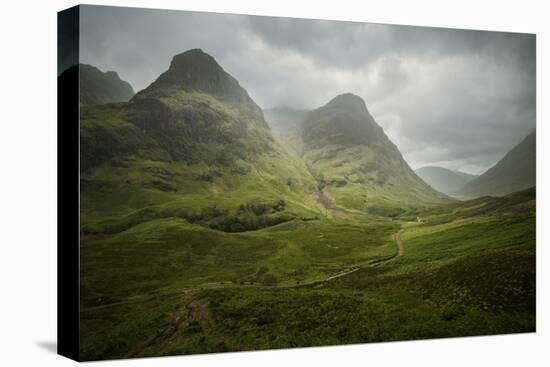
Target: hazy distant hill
514, 172
443, 179
98, 87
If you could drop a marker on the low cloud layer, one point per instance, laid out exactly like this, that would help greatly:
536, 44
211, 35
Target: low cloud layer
452, 98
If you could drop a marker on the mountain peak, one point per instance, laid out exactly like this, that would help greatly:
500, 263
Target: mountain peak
194, 62
344, 120
195, 70
350, 153
349, 100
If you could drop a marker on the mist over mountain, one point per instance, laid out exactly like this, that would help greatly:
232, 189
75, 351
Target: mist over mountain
444, 180
286, 124
514, 172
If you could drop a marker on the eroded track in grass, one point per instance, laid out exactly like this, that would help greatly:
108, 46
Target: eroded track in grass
398, 242
374, 262
194, 309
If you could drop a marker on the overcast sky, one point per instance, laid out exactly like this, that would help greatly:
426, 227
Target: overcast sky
453, 98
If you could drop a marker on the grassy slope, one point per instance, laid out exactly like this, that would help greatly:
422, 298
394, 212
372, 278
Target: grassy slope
355, 163
472, 277
355, 178
150, 225
469, 269
129, 177
129, 277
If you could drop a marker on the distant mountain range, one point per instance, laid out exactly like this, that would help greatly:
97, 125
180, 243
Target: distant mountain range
443, 179
195, 113
514, 172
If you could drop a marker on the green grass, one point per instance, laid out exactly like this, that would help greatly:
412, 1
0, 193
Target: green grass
355, 178
436, 245
167, 254
484, 289
466, 276
199, 255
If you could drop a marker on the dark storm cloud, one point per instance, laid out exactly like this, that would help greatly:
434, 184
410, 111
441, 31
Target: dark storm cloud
139, 43
455, 98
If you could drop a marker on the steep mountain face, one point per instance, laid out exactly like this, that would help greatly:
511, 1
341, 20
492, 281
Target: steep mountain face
356, 163
201, 113
286, 125
196, 71
514, 172
343, 121
444, 180
194, 146
98, 87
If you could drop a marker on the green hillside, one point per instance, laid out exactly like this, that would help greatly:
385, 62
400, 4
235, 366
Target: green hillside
176, 151
515, 171
444, 180
357, 165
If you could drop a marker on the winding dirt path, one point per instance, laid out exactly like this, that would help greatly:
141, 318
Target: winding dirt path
195, 308
399, 252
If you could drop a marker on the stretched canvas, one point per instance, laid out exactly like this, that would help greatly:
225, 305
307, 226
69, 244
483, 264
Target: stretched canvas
232, 183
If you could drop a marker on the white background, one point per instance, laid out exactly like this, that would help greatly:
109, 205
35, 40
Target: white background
28, 183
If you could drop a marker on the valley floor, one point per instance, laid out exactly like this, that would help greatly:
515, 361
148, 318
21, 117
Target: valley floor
168, 287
